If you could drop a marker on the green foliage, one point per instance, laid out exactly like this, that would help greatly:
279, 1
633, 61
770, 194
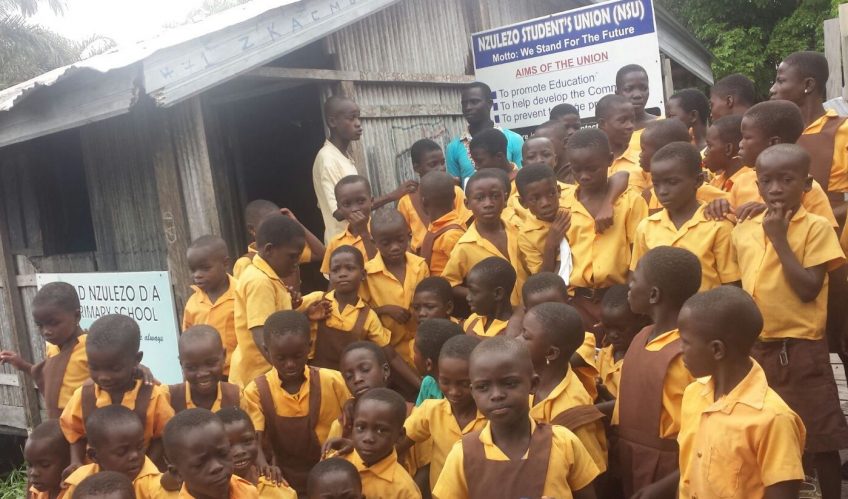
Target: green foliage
13, 485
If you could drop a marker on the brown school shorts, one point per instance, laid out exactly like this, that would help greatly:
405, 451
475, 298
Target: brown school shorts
799, 371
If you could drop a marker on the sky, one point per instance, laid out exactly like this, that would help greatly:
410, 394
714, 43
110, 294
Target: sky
125, 21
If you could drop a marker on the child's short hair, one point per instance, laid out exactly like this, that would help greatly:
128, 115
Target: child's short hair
491, 140
378, 353
332, 105
351, 180
199, 332
675, 271
543, 281
561, 110
437, 285
58, 294
179, 425
105, 484
512, 347
729, 129
278, 230
682, 153
284, 322
212, 242
795, 154
230, 415
107, 418
114, 331
777, 118
606, 105
616, 297
432, 335
590, 138
625, 70
737, 85
489, 173
532, 173
51, 432
459, 347
390, 397
556, 125
666, 131
438, 188
494, 271
386, 217
258, 209
811, 65
347, 249
692, 99
327, 467
422, 147
728, 314
562, 325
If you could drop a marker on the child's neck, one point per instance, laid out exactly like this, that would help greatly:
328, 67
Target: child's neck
733, 167
202, 400
811, 110
439, 212
377, 460
340, 143
507, 167
464, 414
699, 133
485, 227
685, 213
513, 439
345, 299
502, 312
250, 474
293, 386
397, 269
729, 374
594, 193
117, 395
217, 291
664, 318
619, 149
641, 120
53, 494
475, 128
223, 494
550, 376
70, 343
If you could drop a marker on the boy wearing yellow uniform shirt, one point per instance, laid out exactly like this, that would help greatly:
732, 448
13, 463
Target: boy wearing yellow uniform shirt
439, 197
355, 203
615, 118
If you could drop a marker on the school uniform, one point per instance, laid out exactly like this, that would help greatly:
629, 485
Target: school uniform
738, 445
555, 464
331, 165
792, 347
200, 309
514, 213
381, 288
647, 410
229, 395
534, 233
146, 483
826, 140
149, 402
270, 490
569, 405
62, 371
344, 238
260, 292
412, 210
475, 325
629, 162
296, 424
609, 370
239, 489
473, 248
385, 479
342, 327
709, 240
246, 259
588, 374
33, 493
706, 193
440, 238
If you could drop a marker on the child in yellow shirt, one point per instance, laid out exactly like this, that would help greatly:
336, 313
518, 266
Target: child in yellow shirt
106, 485
692, 108
557, 131
353, 194
437, 192
616, 117
47, 454
620, 327
254, 212
722, 154
202, 362
490, 284
429, 339
488, 150
334, 477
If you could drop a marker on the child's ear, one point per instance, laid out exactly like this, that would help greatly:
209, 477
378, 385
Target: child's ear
772, 141
718, 349
91, 454
808, 183
553, 354
809, 86
449, 307
655, 296
521, 201
499, 293
602, 123
534, 383
77, 316
729, 150
429, 365
401, 435
611, 158
138, 357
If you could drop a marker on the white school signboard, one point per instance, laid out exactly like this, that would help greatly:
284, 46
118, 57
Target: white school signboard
571, 57
144, 296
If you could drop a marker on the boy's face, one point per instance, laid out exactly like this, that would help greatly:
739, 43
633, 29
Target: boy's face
208, 268
361, 371
501, 385
533, 335
619, 124
353, 197
486, 199
539, 150
110, 368
674, 185
639, 295
789, 84
782, 184
484, 159
476, 105
590, 167
123, 451
45, 463
243, 446
719, 107
649, 145
620, 326
203, 461
287, 353
346, 274
572, 124
346, 121
634, 86
336, 485
419, 360
375, 431
548, 295
202, 361
718, 154
455, 382
482, 298
284, 258
673, 110
392, 241
431, 161
429, 305
698, 354
542, 199
754, 141
55, 324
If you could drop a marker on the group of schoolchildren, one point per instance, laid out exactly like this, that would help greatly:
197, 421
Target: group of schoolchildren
637, 311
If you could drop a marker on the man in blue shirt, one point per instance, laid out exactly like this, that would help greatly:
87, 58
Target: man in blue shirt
477, 109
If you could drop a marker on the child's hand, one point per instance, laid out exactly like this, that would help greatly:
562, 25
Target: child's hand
603, 220
170, 481
296, 297
399, 314
407, 187
358, 222
749, 210
319, 310
14, 360
717, 209
146, 375
776, 223
273, 474
559, 227
70, 469
337, 447
287, 212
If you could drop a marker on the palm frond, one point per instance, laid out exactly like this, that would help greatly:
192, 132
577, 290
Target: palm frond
27, 50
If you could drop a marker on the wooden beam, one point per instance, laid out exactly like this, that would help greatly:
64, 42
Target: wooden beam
833, 53
843, 33
403, 110
359, 76
668, 81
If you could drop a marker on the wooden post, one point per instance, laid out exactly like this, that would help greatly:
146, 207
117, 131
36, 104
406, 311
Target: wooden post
843, 33
668, 81
833, 53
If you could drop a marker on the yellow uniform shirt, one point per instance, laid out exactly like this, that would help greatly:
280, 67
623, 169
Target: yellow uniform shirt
705, 194
407, 209
472, 248
345, 319
443, 245
216, 405
199, 309
342, 239
514, 213
34, 493
495, 326
534, 233
333, 395
382, 288
838, 181
602, 260
814, 242
709, 240
740, 444
588, 374
386, 479
77, 371
239, 489
331, 165
270, 490
434, 420
629, 162
609, 370
146, 483
677, 378
259, 293
570, 466
569, 393
159, 411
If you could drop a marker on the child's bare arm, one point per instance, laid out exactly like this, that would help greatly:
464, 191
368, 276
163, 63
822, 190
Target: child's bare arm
315, 245
398, 313
556, 234
513, 327
783, 490
407, 187
259, 340
617, 185
805, 282
262, 463
77, 457
404, 445
15, 360
358, 225
401, 368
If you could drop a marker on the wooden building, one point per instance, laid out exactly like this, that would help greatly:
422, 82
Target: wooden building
118, 162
